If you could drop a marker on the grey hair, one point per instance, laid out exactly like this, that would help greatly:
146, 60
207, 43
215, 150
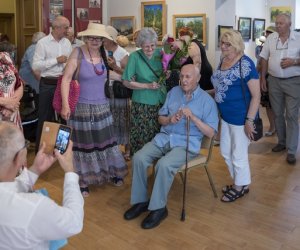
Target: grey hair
37, 36
11, 141
146, 35
234, 37
286, 16
58, 21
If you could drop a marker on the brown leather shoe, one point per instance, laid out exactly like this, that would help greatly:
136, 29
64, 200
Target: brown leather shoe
291, 159
278, 148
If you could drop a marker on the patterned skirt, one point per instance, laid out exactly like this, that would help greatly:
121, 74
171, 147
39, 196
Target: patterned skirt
144, 124
97, 157
120, 109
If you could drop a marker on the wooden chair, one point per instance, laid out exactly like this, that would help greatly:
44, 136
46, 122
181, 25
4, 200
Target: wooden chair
202, 160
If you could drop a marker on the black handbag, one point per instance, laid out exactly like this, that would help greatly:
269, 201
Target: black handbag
257, 123
116, 89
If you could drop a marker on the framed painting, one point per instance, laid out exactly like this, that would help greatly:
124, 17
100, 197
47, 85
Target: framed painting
197, 23
258, 28
274, 11
222, 29
153, 14
125, 25
244, 27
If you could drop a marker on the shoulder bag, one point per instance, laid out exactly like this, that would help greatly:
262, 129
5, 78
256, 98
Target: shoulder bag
257, 123
116, 89
73, 92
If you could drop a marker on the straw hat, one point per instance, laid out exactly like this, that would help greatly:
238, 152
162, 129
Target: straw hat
95, 29
112, 32
270, 29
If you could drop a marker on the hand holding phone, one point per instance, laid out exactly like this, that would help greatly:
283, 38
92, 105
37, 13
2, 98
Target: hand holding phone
110, 53
62, 138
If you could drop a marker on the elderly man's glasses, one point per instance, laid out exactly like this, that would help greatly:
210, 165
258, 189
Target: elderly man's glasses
284, 46
225, 44
94, 38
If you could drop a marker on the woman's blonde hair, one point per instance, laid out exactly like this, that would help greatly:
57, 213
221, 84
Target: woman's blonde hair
234, 37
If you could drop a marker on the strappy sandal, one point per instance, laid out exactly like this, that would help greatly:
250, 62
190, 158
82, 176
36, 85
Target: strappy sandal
233, 194
228, 187
117, 181
85, 191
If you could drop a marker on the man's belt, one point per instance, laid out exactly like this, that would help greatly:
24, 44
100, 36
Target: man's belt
285, 78
49, 80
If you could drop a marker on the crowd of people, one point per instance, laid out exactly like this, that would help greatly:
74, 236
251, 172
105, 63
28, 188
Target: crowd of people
151, 125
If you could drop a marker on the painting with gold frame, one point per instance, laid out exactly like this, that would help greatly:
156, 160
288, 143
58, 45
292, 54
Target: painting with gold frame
125, 25
153, 14
275, 10
197, 23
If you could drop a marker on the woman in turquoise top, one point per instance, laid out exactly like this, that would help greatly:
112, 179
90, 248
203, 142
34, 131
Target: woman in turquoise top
141, 74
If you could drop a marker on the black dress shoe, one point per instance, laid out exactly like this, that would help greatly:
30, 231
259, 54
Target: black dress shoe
136, 210
291, 159
278, 148
154, 218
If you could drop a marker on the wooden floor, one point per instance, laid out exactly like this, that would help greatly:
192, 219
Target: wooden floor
266, 218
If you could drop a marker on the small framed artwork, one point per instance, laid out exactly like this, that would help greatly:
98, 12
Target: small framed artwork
197, 23
258, 28
274, 11
244, 27
153, 14
125, 25
222, 29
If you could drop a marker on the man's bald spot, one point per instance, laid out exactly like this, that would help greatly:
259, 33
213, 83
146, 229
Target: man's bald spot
194, 69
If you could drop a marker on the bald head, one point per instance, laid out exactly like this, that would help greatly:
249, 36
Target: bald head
60, 26
189, 77
11, 141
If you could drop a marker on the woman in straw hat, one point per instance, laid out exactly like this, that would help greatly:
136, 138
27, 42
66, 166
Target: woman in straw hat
96, 154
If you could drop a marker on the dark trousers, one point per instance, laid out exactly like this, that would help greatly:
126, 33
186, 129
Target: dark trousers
45, 109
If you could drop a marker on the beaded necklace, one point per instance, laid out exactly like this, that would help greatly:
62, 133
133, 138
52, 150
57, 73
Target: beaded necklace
98, 72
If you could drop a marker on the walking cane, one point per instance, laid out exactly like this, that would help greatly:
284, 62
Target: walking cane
186, 167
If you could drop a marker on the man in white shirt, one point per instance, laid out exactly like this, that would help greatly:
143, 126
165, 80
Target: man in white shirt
280, 57
50, 57
29, 220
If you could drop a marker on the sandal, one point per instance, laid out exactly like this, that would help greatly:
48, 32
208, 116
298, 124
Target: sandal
117, 181
85, 191
233, 194
228, 187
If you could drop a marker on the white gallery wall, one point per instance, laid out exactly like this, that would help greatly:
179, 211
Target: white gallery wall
218, 12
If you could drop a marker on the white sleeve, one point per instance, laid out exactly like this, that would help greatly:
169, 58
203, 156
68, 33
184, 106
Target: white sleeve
25, 181
51, 221
40, 61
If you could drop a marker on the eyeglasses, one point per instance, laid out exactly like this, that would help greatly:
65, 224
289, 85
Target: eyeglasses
148, 47
284, 46
93, 38
226, 44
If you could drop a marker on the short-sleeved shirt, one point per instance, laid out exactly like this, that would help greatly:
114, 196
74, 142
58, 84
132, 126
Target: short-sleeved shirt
25, 71
201, 105
137, 69
274, 51
229, 93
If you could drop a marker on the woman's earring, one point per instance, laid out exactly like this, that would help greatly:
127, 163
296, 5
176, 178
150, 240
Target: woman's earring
179, 83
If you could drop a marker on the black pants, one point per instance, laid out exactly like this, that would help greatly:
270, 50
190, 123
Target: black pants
45, 109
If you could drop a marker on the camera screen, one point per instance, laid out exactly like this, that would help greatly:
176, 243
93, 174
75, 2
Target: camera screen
62, 140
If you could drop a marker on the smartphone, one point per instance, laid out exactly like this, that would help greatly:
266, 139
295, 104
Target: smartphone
110, 53
63, 138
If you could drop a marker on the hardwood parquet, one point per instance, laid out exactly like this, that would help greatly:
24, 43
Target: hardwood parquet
268, 218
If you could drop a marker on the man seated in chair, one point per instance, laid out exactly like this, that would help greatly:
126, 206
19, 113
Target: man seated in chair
168, 148
30, 220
